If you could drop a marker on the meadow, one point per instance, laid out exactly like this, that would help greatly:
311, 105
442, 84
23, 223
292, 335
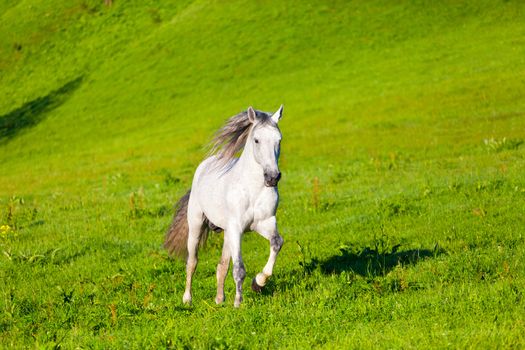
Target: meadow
403, 159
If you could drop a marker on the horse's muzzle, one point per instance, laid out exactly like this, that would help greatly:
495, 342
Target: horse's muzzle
271, 179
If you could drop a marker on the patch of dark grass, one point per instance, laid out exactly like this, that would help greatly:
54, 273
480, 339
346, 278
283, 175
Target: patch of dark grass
497, 145
18, 213
391, 208
53, 256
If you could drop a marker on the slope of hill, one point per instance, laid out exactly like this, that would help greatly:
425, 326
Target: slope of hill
83, 80
402, 197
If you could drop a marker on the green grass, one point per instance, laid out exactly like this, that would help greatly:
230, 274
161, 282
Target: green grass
402, 199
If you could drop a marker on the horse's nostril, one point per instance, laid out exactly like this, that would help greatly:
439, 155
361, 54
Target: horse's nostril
272, 178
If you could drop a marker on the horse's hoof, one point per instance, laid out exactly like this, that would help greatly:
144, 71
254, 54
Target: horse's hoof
186, 299
237, 302
255, 287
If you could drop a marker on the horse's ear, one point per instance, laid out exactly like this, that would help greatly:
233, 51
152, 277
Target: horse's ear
277, 115
251, 114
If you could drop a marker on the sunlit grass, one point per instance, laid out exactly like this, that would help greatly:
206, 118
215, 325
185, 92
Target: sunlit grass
402, 196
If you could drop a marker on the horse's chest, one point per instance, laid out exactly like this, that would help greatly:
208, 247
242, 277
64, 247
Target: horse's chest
265, 204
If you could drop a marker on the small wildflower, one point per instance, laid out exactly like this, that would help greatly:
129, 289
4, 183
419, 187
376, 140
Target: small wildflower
5, 230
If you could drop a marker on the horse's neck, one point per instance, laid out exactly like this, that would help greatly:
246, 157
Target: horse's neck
249, 169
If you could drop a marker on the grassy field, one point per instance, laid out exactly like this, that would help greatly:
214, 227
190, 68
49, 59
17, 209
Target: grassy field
403, 160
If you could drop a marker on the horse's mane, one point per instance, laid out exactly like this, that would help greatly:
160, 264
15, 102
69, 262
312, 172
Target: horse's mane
232, 136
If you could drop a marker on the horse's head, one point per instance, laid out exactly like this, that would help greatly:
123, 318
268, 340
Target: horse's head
265, 140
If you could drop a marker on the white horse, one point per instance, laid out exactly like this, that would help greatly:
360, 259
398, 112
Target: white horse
235, 195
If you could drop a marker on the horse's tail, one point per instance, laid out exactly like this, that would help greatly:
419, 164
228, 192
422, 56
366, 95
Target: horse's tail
176, 241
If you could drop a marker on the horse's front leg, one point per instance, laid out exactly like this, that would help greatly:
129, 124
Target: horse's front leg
268, 229
233, 238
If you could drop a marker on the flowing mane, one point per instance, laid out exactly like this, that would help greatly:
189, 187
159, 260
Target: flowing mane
232, 136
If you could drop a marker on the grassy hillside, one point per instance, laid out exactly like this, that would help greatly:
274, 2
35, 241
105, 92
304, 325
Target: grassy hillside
402, 200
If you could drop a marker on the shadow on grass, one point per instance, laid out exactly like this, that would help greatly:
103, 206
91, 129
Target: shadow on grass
33, 112
369, 262
373, 264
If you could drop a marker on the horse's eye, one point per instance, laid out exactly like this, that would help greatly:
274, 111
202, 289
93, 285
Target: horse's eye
256, 140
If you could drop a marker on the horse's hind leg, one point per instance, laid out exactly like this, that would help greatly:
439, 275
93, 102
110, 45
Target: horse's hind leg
268, 229
195, 222
222, 271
